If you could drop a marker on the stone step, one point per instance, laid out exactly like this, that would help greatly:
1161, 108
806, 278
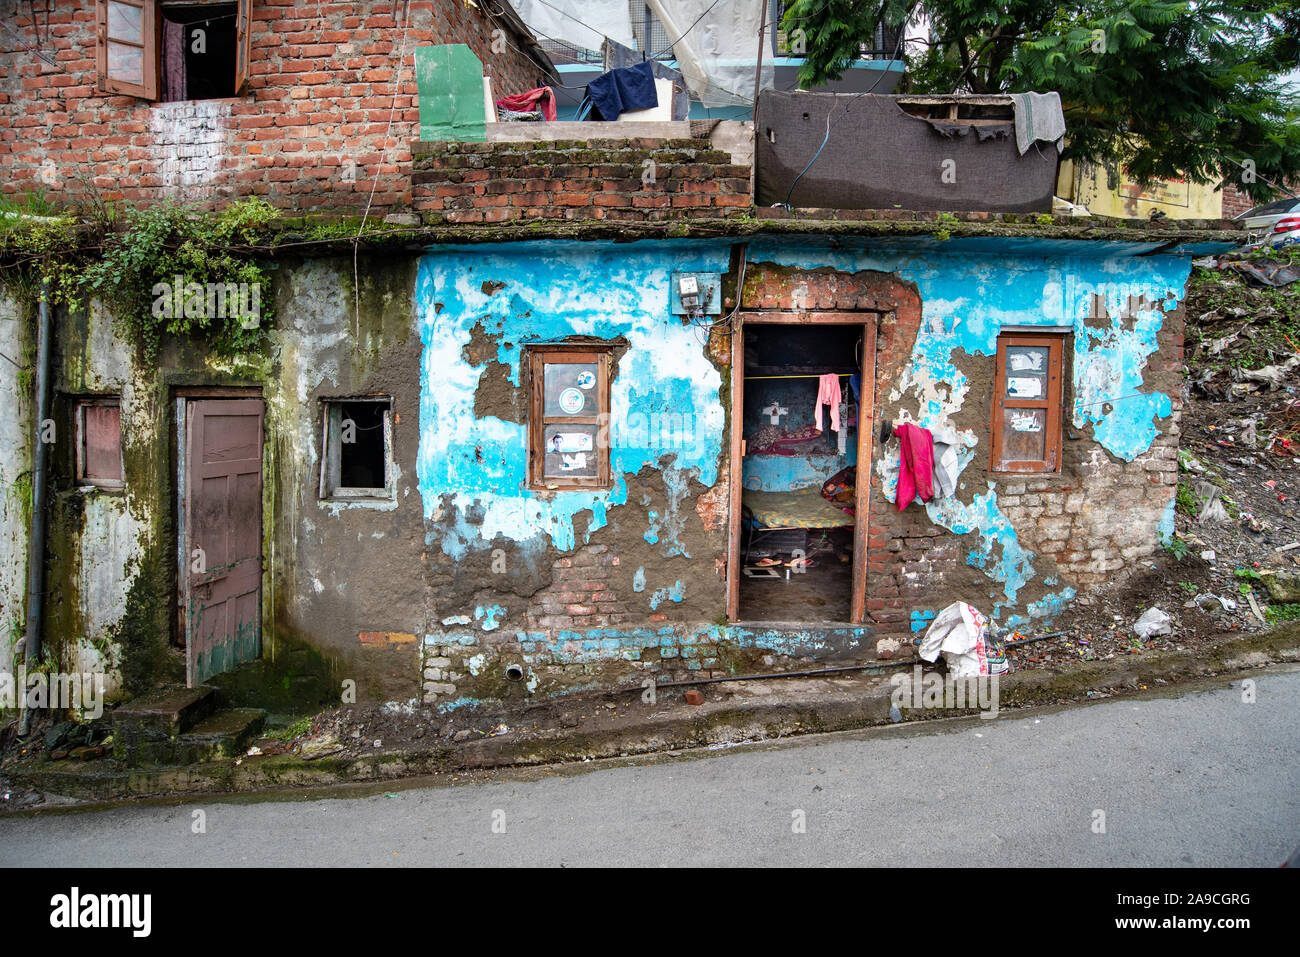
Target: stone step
225, 734
169, 711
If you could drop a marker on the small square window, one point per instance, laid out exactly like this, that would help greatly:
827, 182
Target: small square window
568, 426
1027, 403
358, 444
99, 443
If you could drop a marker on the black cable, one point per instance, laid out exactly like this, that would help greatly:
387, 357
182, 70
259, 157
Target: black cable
902, 33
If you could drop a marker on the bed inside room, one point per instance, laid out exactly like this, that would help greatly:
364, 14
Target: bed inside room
798, 473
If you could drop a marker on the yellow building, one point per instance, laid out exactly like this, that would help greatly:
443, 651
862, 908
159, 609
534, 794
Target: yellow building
1107, 191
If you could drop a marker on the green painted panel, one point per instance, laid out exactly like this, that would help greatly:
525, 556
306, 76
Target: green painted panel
450, 80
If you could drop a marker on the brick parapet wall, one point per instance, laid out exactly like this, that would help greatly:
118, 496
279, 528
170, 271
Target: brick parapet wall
310, 133
638, 180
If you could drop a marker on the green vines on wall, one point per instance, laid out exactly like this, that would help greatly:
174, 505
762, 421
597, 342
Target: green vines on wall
168, 269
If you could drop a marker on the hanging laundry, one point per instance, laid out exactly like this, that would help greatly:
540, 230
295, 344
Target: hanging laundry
946, 444
828, 393
915, 477
855, 383
542, 98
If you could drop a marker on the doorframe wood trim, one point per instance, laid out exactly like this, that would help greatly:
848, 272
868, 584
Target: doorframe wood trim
862, 490
737, 466
869, 321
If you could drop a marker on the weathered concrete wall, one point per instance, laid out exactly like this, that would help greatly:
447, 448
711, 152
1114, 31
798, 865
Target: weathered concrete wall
341, 580
16, 334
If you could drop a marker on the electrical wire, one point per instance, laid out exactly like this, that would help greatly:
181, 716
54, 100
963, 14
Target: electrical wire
374, 183
829, 113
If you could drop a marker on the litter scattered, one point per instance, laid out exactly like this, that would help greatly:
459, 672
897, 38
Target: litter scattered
1153, 622
961, 633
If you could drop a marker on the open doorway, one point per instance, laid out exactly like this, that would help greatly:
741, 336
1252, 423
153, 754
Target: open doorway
798, 410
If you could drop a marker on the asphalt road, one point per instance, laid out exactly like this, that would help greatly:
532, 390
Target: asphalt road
1200, 779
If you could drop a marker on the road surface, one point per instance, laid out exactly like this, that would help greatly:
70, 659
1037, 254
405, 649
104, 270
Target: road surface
1199, 778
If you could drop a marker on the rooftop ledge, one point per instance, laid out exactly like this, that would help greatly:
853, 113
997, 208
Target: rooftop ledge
954, 232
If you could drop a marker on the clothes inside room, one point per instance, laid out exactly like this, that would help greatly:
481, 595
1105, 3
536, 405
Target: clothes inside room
799, 471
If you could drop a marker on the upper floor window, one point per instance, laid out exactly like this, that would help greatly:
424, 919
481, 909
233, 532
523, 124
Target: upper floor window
568, 423
173, 51
1027, 403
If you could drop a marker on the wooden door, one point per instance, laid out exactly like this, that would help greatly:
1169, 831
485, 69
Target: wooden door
866, 445
222, 575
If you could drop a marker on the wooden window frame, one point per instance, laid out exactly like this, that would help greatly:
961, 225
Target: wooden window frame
1052, 403
151, 43
332, 459
108, 485
539, 357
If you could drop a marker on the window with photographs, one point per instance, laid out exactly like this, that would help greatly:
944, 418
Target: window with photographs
568, 424
1027, 403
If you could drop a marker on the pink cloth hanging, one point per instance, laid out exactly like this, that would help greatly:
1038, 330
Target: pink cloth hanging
917, 466
828, 393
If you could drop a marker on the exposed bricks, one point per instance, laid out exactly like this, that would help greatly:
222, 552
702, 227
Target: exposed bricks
310, 132
637, 179
581, 593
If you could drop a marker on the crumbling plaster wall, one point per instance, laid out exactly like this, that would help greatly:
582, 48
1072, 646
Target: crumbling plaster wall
1018, 546
16, 333
573, 575
341, 579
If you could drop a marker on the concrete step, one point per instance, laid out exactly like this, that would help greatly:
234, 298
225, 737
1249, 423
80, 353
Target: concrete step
171, 711
225, 734
145, 729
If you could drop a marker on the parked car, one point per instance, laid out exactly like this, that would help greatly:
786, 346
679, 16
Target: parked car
1273, 224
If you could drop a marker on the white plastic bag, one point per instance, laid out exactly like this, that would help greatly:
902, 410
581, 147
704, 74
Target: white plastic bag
961, 633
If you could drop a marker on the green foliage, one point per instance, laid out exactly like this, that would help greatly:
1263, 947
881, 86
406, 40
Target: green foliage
1276, 614
945, 222
1177, 548
37, 244
295, 730
1162, 88
140, 267
1187, 501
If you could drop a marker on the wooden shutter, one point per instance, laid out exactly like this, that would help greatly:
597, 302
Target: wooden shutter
243, 43
1027, 404
126, 47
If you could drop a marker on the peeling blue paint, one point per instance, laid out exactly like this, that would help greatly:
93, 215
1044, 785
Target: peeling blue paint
490, 616
1011, 565
921, 619
472, 470
1166, 528
638, 580
676, 593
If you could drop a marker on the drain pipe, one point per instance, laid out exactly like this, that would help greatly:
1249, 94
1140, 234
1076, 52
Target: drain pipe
36, 533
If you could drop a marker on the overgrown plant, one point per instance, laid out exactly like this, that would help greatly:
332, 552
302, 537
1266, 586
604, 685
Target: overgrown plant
156, 274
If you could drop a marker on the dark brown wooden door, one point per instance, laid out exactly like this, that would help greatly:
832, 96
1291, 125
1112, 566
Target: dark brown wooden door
222, 575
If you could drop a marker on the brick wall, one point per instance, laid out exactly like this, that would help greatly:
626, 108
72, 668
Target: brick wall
628, 180
310, 132
581, 593
1235, 202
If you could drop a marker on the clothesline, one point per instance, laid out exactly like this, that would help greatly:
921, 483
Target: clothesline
810, 375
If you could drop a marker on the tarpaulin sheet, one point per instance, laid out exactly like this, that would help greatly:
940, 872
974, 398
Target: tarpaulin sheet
880, 157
